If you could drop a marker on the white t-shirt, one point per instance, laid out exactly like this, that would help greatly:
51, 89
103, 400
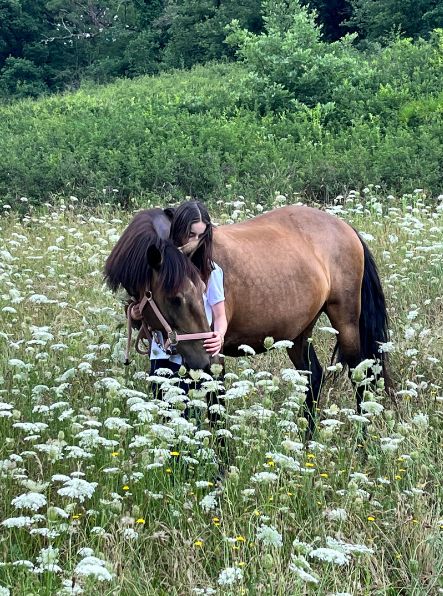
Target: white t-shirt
213, 295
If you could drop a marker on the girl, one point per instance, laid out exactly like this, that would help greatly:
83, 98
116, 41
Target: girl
191, 232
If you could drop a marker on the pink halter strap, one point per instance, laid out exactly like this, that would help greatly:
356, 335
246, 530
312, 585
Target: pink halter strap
146, 332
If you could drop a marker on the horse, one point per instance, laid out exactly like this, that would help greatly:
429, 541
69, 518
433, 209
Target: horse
282, 270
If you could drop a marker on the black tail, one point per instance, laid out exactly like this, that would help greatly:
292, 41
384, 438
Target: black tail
373, 316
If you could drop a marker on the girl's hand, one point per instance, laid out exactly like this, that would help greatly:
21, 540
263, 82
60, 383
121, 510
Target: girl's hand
213, 345
136, 314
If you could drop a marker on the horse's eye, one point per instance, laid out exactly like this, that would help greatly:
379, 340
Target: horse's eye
176, 301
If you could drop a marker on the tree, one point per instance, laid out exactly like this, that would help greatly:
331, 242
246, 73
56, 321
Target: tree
197, 28
332, 16
377, 19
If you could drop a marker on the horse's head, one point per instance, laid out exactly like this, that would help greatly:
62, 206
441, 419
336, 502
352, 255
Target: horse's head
145, 259
177, 289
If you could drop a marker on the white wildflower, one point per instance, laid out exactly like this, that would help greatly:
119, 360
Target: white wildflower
389, 444
17, 522
292, 445
386, 347
330, 330
336, 514
209, 502
79, 489
269, 536
93, 567
329, 555
348, 548
203, 484
264, 477
31, 500
372, 407
300, 566
230, 576
130, 534
421, 420
40, 299
283, 344
247, 350
116, 424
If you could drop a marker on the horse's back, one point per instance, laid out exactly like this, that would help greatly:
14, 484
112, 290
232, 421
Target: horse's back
281, 267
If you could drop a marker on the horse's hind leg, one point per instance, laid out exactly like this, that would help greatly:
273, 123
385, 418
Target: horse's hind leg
345, 319
303, 357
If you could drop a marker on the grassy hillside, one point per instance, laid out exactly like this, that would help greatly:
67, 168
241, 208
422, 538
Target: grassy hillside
204, 133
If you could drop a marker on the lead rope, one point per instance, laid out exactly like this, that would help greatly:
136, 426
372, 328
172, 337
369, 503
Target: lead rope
144, 333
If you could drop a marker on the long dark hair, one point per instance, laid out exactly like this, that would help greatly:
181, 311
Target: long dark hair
128, 264
182, 218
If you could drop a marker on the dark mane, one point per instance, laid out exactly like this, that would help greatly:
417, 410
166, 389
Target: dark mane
127, 265
175, 269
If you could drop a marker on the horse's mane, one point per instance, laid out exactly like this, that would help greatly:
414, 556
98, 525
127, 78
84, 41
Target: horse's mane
127, 265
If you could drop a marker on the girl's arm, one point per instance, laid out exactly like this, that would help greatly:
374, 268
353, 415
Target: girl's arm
214, 344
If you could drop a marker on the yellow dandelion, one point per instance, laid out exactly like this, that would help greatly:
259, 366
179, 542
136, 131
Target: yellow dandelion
198, 543
324, 475
115, 454
310, 456
309, 465
241, 564
240, 539
126, 487
168, 471
140, 520
270, 463
174, 453
398, 477
371, 518
77, 516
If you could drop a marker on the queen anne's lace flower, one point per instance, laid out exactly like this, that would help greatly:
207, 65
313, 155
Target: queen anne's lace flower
269, 536
330, 555
78, 489
230, 576
93, 567
31, 500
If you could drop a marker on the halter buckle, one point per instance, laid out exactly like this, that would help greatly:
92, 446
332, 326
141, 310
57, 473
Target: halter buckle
172, 338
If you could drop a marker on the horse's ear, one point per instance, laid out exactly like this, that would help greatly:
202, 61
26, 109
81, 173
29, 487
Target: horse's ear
154, 256
169, 212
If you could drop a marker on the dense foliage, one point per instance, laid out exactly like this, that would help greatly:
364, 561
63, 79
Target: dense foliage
53, 45
295, 112
196, 132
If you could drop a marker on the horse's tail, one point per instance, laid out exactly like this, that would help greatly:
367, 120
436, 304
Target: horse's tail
373, 323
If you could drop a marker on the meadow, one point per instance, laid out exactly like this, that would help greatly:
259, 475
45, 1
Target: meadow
106, 490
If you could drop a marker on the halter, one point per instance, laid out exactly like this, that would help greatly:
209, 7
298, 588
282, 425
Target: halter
147, 333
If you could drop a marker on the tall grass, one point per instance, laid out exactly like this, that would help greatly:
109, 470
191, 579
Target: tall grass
150, 508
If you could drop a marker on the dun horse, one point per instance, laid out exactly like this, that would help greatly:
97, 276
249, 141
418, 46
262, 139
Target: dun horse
281, 269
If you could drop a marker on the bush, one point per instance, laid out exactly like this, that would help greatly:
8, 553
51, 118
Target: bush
193, 133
